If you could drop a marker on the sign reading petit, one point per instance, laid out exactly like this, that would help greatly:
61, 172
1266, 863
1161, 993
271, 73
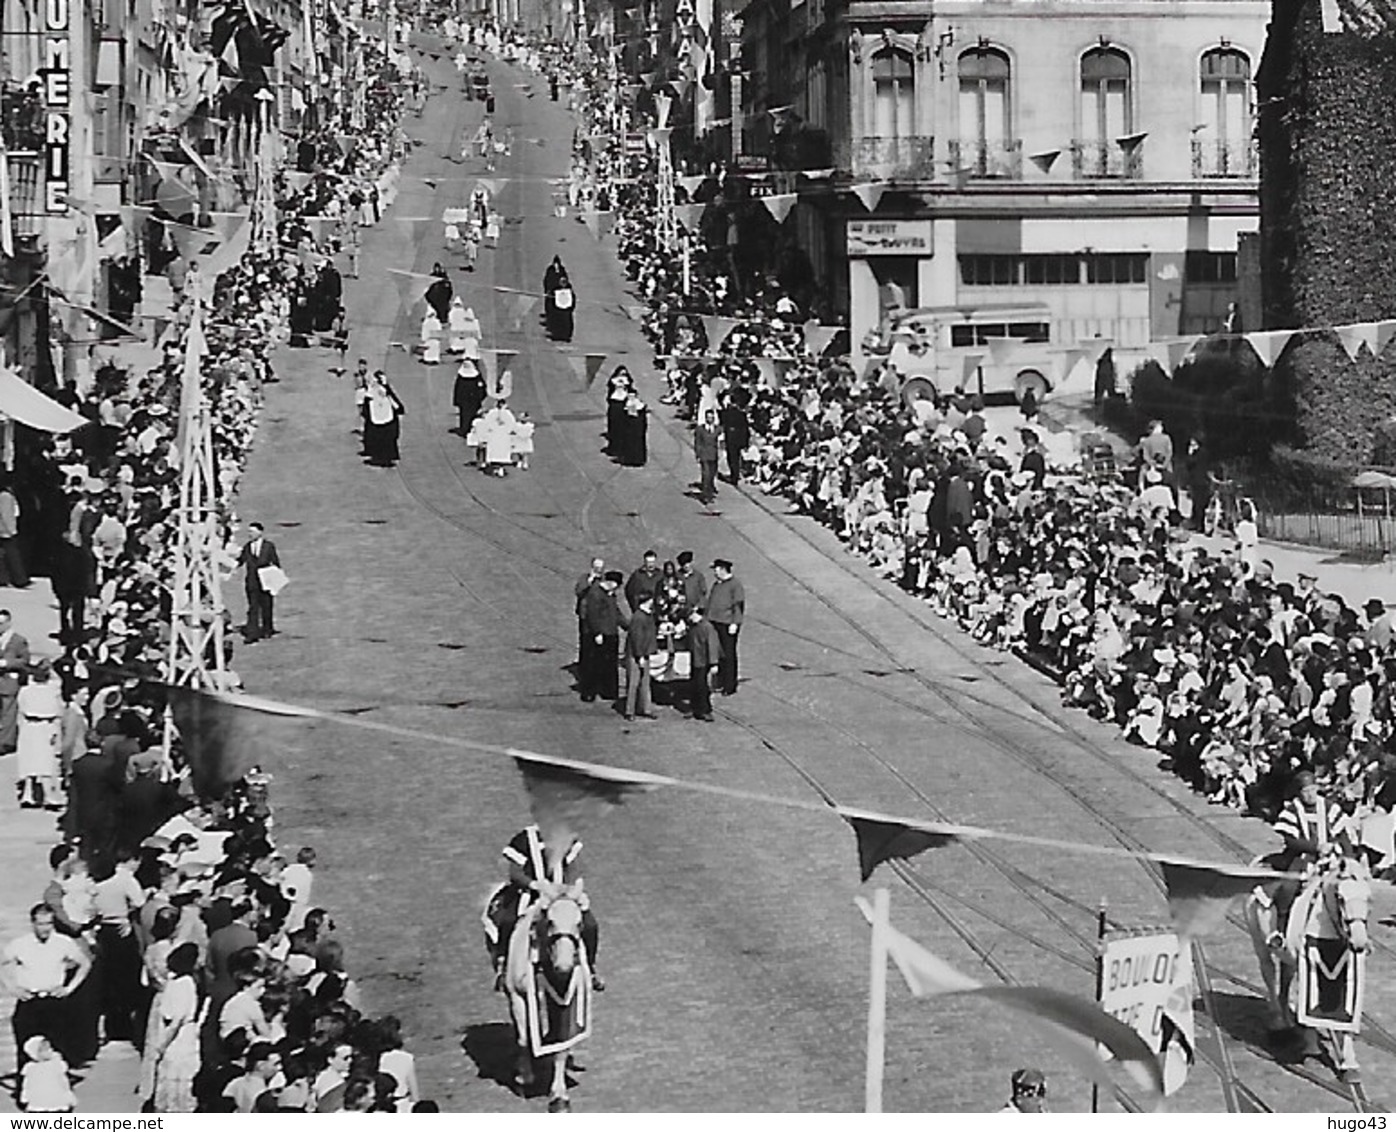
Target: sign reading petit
57, 97
889, 237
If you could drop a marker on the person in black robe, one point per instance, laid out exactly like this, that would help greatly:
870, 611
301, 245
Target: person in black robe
559, 302
468, 395
634, 452
617, 390
440, 293
383, 413
329, 288
302, 316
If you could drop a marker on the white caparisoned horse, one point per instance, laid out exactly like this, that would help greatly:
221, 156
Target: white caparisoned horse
547, 980
1314, 965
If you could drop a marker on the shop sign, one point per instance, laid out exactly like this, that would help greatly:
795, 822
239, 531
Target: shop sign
889, 237
57, 98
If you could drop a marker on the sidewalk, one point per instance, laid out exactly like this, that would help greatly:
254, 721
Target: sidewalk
26, 836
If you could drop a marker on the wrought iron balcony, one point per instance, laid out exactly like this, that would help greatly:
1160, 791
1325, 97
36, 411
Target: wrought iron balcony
979, 160
21, 119
26, 193
1223, 158
910, 158
1106, 160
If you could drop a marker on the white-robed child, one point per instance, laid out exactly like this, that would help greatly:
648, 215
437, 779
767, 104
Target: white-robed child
523, 440
431, 338
43, 1082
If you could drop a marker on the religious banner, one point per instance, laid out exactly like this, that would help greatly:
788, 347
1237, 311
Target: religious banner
1146, 982
658, 137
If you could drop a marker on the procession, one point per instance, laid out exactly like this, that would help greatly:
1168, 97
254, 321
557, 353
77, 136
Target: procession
482, 532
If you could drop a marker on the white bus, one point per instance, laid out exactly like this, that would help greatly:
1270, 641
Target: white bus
941, 344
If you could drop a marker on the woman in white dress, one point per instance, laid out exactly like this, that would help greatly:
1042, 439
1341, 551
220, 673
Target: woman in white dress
459, 323
175, 1051
499, 439
40, 708
431, 338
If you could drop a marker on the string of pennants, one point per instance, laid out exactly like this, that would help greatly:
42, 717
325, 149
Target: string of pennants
233, 731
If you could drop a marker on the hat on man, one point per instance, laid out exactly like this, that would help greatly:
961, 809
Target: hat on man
721, 564
685, 557
1030, 1081
1375, 605
613, 576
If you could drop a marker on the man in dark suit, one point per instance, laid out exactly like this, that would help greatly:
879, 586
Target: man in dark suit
225, 942
145, 803
604, 621
704, 648
705, 441
644, 582
93, 795
14, 662
591, 578
727, 611
258, 552
695, 586
736, 436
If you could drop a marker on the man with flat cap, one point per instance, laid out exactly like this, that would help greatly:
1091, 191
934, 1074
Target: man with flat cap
726, 611
1029, 1092
603, 621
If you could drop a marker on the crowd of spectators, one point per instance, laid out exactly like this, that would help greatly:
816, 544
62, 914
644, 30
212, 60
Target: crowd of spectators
1195, 649
173, 921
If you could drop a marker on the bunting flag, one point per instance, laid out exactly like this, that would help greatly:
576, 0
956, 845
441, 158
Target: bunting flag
779, 205
564, 795
225, 736
191, 242
662, 105
870, 194
1046, 159
519, 305
689, 215
717, 328
320, 227
1076, 1028
415, 228
227, 224
693, 183
346, 143
766, 367
230, 252
817, 337
658, 137
412, 286
881, 838
1200, 896
595, 225
681, 87
491, 185
586, 366
297, 181
1130, 142
969, 365
1095, 348
1269, 344
1169, 353
1353, 338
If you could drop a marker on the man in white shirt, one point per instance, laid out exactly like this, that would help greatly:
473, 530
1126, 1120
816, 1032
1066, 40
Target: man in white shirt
43, 968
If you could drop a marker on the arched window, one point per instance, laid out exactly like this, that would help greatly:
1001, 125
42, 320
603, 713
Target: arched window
985, 107
1107, 109
894, 93
1225, 75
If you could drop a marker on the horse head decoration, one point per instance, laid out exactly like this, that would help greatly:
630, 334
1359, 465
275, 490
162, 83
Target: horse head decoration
548, 982
1314, 964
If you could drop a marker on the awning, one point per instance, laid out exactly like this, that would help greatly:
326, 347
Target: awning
20, 400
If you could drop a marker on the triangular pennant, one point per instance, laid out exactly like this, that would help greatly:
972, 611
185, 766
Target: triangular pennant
818, 174
1046, 159
1269, 344
658, 137
1353, 337
779, 205
320, 227
717, 328
1180, 348
412, 286
297, 181
519, 305
970, 363
693, 183
817, 338
870, 194
593, 364
1130, 142
689, 215
226, 736
766, 367
415, 228
1200, 895
491, 185
881, 838
227, 224
191, 242
1386, 330
681, 87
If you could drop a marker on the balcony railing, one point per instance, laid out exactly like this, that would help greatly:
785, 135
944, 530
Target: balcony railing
979, 160
1214, 158
909, 158
26, 193
1107, 160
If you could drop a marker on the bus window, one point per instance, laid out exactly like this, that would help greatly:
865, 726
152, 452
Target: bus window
1030, 331
990, 330
962, 335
